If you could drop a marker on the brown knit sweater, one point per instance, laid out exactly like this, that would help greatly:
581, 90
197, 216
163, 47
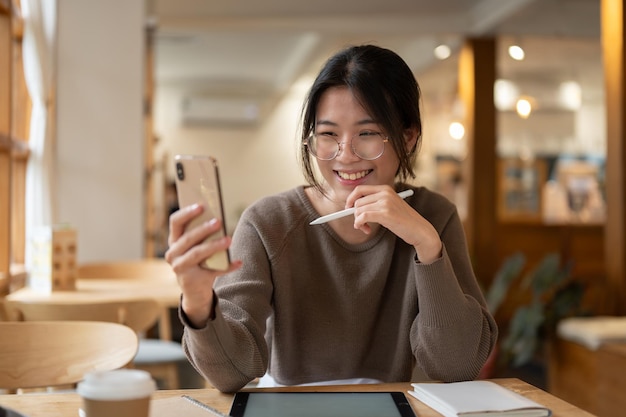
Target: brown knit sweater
334, 310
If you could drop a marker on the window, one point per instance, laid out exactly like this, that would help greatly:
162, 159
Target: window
14, 117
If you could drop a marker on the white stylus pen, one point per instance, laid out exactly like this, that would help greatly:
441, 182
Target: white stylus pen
347, 212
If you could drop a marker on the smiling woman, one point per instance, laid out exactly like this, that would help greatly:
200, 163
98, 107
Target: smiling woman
339, 302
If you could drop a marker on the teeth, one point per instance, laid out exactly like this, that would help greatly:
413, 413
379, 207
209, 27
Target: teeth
353, 176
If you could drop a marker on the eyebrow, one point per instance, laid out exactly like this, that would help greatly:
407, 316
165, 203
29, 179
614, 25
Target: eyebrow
359, 123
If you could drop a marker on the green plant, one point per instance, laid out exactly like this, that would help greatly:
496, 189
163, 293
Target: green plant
554, 296
507, 273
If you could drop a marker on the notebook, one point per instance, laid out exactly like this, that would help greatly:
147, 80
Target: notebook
476, 399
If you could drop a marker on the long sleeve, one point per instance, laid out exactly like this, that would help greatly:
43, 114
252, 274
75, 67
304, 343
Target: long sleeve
306, 306
454, 332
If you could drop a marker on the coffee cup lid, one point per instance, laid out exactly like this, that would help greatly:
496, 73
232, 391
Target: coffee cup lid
120, 384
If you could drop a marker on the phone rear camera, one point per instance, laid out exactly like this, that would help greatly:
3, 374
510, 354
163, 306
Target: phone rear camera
180, 172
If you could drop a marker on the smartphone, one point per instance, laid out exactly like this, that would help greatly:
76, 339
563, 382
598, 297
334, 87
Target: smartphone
198, 181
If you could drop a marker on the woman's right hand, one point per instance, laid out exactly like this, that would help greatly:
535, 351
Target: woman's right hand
186, 253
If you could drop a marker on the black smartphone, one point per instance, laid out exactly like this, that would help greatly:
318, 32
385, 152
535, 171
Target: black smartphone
198, 181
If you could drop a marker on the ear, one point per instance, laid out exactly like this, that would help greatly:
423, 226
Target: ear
410, 139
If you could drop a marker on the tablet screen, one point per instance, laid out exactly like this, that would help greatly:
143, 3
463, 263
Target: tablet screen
321, 404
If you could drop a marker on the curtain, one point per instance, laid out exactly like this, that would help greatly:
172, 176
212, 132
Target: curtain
38, 49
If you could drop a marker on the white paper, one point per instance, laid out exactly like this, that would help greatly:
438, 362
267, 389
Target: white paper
476, 398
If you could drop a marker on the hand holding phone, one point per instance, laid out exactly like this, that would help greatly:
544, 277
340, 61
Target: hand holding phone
197, 181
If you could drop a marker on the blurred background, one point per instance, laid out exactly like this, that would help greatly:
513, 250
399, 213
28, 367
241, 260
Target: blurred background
230, 77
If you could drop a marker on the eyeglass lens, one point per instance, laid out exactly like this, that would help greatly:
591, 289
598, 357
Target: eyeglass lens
366, 145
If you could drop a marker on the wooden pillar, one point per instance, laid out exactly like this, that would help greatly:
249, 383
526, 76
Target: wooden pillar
477, 75
612, 23
21, 108
150, 226
5, 142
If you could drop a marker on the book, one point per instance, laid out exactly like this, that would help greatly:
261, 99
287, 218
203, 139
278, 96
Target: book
182, 405
476, 399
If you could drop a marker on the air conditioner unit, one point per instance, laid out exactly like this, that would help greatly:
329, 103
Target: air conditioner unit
219, 111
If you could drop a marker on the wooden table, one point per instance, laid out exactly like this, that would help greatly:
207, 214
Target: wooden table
165, 290
66, 405
597, 382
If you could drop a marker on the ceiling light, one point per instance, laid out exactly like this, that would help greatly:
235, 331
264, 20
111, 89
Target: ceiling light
442, 52
456, 130
505, 94
524, 107
570, 95
516, 52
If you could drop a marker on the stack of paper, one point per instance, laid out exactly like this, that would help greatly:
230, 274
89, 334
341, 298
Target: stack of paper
476, 399
182, 405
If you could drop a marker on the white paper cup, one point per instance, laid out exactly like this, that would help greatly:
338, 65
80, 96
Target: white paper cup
119, 393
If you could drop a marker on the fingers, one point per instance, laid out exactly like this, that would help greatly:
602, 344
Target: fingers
379, 204
375, 204
179, 219
181, 235
194, 246
190, 246
364, 195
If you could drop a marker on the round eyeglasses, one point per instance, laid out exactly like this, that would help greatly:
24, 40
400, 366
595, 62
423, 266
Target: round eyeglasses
368, 145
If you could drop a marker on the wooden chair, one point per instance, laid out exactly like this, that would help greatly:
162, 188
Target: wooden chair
138, 314
47, 354
137, 268
159, 357
145, 268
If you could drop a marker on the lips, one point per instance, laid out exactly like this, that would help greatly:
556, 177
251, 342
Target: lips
352, 176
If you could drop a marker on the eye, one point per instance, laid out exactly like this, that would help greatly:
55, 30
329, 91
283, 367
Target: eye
367, 133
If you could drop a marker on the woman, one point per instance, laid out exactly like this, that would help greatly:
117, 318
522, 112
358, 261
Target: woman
363, 298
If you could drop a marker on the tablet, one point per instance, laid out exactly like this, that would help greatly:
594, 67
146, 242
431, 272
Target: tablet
321, 404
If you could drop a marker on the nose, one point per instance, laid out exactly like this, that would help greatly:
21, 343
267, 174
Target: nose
346, 153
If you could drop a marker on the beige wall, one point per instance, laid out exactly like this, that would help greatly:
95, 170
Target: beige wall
254, 161
99, 125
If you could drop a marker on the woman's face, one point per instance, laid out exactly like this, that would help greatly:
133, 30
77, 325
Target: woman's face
339, 114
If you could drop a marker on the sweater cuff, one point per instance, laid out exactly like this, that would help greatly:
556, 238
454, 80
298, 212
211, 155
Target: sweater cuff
441, 298
198, 339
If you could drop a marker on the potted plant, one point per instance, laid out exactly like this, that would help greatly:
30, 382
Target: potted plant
554, 296
495, 296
